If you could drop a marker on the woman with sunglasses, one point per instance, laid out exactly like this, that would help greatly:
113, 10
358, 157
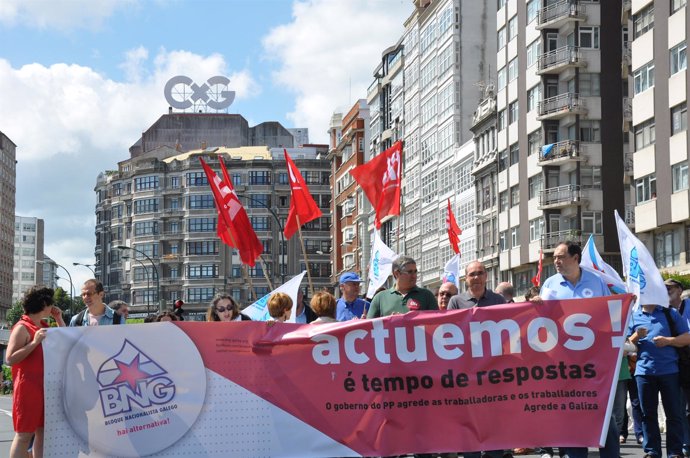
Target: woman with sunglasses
224, 308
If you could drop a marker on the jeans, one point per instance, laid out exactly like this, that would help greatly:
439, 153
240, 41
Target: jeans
649, 387
635, 407
611, 448
619, 401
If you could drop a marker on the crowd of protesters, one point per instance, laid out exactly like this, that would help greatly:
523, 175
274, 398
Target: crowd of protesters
649, 368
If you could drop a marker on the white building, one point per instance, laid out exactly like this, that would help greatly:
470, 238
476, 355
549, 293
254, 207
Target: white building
28, 248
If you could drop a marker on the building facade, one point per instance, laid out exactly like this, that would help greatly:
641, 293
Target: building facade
658, 86
350, 233
8, 191
156, 226
28, 248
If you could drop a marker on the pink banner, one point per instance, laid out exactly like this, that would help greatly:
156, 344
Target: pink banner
515, 375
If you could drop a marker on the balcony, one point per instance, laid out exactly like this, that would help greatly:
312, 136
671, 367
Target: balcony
550, 240
171, 235
561, 152
557, 14
560, 197
561, 106
556, 61
171, 258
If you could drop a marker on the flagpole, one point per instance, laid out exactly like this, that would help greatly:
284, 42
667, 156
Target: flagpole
304, 253
244, 267
263, 267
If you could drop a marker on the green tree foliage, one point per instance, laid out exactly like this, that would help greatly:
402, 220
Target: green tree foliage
683, 279
62, 299
15, 313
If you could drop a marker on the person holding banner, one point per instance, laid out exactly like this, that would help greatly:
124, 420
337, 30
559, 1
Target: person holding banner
25, 355
405, 296
573, 282
224, 308
477, 293
349, 305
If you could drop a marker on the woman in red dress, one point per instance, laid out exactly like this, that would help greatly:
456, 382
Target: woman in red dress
25, 355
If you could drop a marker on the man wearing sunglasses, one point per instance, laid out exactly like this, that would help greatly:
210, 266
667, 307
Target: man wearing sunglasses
405, 296
96, 312
445, 292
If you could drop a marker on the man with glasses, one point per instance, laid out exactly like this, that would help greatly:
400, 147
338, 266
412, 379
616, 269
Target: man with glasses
445, 292
405, 296
96, 312
477, 294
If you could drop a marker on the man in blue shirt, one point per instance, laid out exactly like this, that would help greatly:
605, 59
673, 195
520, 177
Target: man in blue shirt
573, 282
349, 305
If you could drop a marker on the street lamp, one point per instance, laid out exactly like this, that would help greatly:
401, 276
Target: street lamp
148, 283
280, 228
161, 301
71, 284
89, 266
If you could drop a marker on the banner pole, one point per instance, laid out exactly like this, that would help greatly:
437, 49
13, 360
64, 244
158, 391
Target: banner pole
263, 267
304, 253
244, 267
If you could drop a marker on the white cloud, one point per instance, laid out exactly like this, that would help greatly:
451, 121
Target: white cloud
60, 15
70, 123
328, 61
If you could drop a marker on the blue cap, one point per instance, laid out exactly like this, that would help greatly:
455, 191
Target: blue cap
349, 276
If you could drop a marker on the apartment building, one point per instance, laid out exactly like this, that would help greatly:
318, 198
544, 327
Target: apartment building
350, 232
28, 248
156, 221
560, 140
658, 86
8, 191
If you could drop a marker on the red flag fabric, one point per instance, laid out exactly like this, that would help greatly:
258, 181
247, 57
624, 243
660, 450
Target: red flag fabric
232, 218
536, 280
380, 180
302, 203
454, 230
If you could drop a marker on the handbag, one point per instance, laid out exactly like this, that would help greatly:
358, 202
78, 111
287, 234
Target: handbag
683, 353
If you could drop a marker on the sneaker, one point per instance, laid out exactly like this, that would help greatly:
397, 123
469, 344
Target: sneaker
640, 439
546, 455
621, 440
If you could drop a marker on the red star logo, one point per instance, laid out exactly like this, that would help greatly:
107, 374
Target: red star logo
130, 373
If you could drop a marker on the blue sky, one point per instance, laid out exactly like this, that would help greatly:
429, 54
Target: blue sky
81, 79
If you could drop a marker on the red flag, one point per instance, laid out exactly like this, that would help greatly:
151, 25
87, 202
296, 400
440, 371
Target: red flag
302, 203
536, 280
454, 230
232, 218
380, 180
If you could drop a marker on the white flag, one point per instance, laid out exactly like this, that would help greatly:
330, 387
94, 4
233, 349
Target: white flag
258, 311
591, 260
451, 272
642, 276
381, 265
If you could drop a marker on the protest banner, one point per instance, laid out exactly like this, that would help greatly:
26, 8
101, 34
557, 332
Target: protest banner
487, 378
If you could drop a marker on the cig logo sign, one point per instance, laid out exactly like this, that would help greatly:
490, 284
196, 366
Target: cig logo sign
182, 92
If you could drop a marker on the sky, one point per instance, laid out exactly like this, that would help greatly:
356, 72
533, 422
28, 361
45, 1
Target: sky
80, 80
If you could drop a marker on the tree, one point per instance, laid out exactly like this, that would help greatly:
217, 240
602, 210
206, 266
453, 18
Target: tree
62, 299
15, 313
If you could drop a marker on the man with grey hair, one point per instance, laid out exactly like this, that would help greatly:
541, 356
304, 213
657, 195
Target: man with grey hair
405, 295
506, 290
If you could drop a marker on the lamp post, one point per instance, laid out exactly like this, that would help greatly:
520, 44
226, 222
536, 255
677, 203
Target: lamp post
88, 266
148, 282
71, 284
161, 302
280, 228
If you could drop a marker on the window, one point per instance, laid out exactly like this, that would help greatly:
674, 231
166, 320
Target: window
174, 182
533, 96
514, 153
259, 177
590, 177
514, 195
591, 222
535, 185
445, 20
144, 183
532, 10
262, 201
512, 69
204, 247
513, 112
512, 28
676, 5
645, 134
590, 131
502, 160
503, 240
202, 271
534, 142
536, 229
260, 223
503, 201
679, 118
678, 58
501, 120
464, 176
643, 21
145, 228
144, 206
645, 188
501, 37
514, 240
196, 179
501, 3
589, 37
201, 225
283, 178
679, 173
589, 85
501, 78
667, 249
533, 51
197, 201
200, 294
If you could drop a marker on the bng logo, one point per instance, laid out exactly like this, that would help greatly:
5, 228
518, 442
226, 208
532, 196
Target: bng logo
131, 380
